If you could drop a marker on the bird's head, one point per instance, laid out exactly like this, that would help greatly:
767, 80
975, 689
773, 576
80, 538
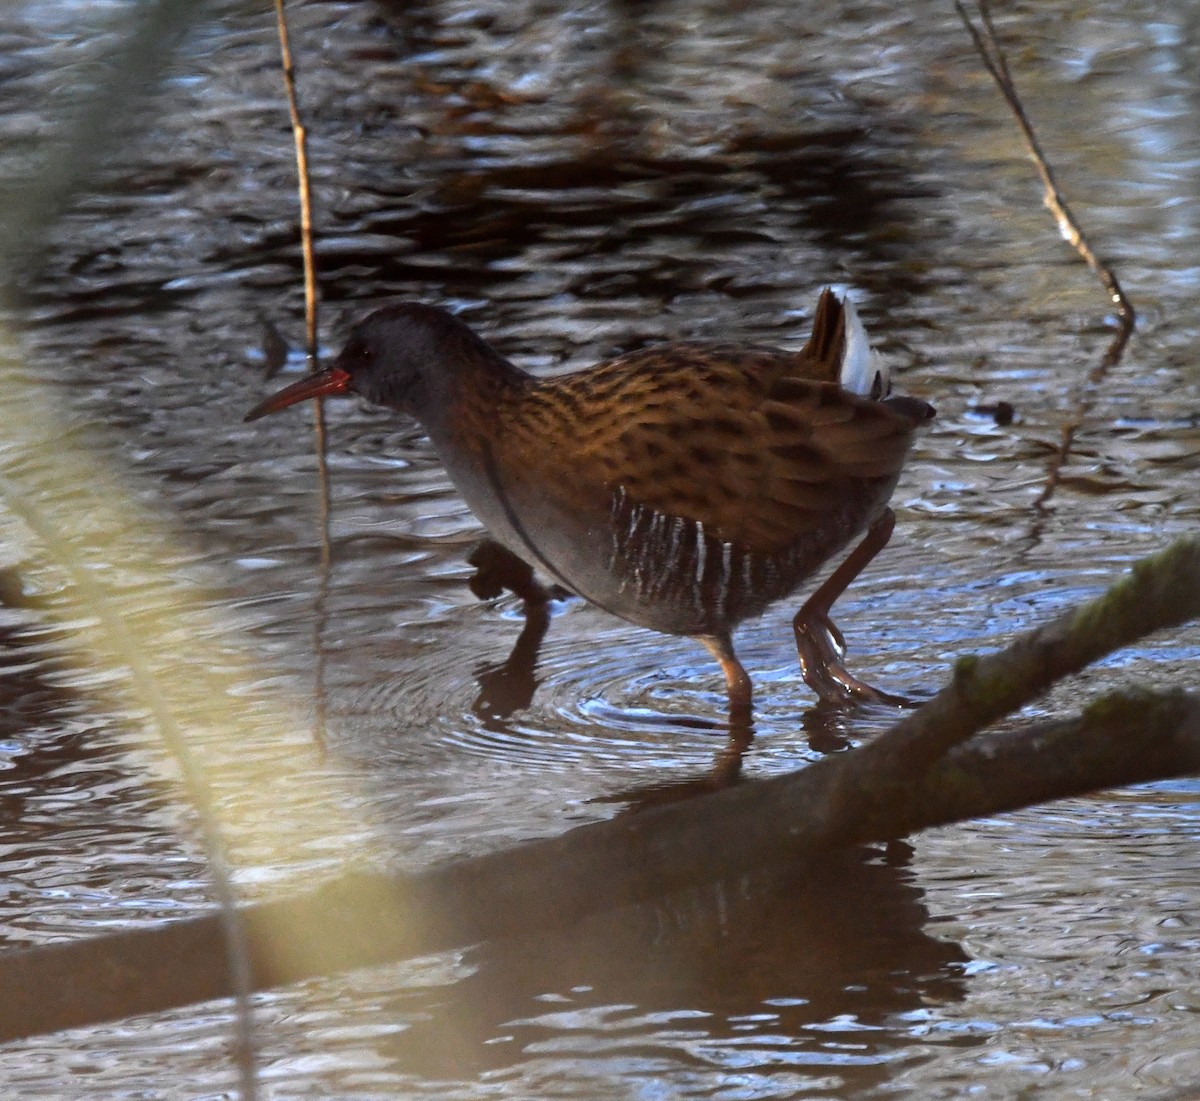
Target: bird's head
404, 356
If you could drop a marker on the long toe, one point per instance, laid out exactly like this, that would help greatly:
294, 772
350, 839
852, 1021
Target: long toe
820, 647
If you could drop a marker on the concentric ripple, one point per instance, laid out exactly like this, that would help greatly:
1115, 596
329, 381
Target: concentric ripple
600, 697
597, 694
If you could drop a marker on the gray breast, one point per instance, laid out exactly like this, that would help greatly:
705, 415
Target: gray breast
672, 574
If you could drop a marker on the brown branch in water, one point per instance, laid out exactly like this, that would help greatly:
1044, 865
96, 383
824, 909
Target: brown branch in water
918, 775
367, 919
996, 63
1159, 592
304, 183
320, 442
1083, 407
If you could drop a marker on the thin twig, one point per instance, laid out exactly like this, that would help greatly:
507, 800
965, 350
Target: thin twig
304, 185
996, 63
234, 938
1070, 429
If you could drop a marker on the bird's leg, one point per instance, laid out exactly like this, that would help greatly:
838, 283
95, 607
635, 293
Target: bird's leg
509, 687
737, 682
820, 643
497, 569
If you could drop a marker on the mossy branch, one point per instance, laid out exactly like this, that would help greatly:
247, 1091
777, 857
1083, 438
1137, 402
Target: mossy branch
362, 920
1160, 592
916, 776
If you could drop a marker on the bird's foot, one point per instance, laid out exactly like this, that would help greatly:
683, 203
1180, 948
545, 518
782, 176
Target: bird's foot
821, 648
497, 569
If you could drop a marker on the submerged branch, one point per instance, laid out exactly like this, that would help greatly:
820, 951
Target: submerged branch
638, 858
914, 777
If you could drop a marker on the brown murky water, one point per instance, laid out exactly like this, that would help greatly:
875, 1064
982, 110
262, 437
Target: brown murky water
582, 179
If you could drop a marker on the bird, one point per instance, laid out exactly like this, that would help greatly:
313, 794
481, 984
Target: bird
684, 487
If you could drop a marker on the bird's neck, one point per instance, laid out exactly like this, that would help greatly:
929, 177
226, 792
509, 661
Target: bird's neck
470, 389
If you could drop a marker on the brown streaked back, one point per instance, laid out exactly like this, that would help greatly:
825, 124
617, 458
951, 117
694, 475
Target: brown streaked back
739, 439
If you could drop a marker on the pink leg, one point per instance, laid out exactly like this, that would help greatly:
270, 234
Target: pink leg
737, 681
820, 643
741, 709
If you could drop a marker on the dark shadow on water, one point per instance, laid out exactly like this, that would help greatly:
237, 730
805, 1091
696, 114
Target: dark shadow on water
35, 697
832, 729
508, 687
609, 184
725, 772
829, 728
783, 966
